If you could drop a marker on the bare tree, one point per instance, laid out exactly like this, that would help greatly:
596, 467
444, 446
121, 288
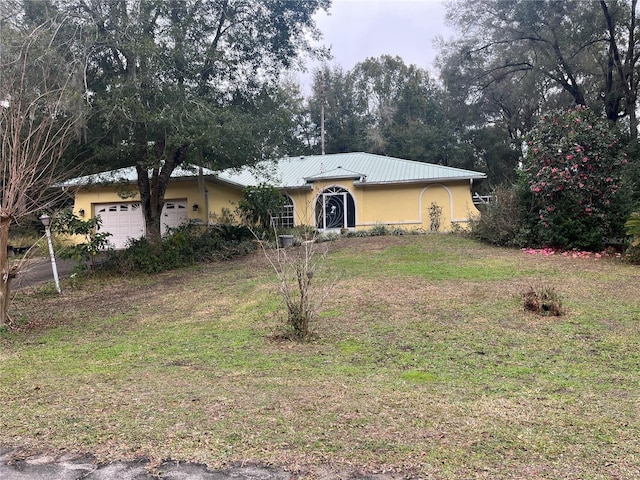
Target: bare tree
40, 113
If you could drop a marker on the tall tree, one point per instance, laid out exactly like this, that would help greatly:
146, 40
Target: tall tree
179, 81
41, 112
344, 122
387, 107
622, 62
569, 51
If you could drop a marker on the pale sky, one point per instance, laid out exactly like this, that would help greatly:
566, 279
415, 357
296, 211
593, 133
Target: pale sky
357, 29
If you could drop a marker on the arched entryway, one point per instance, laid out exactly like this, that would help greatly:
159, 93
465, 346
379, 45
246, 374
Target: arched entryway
335, 209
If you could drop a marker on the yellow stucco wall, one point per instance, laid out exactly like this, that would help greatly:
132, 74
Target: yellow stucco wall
218, 197
395, 205
404, 206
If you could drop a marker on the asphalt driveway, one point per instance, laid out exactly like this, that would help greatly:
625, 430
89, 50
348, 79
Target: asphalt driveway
38, 270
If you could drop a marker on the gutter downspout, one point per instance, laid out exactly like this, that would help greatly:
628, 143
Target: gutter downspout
206, 206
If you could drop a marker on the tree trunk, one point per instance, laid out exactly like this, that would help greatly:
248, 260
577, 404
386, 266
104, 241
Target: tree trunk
153, 186
5, 271
151, 202
625, 68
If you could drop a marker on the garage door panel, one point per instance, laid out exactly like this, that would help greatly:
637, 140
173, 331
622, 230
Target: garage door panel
174, 214
125, 221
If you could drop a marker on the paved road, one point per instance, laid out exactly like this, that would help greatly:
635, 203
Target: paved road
43, 467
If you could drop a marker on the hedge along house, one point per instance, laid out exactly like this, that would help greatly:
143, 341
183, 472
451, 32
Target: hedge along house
330, 192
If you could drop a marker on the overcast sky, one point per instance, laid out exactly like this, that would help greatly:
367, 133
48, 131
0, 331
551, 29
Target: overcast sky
357, 29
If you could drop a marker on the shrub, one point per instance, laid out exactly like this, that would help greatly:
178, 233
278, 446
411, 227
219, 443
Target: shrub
66, 223
543, 301
296, 269
184, 245
632, 255
398, 232
378, 230
633, 228
501, 221
435, 216
573, 169
260, 204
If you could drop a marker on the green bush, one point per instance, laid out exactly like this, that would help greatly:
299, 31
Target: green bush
85, 253
184, 245
260, 204
632, 255
502, 220
378, 230
574, 167
633, 228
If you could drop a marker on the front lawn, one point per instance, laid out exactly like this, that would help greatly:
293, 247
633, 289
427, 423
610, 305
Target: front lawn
424, 362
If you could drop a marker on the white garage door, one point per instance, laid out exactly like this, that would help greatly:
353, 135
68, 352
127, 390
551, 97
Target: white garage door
174, 214
124, 220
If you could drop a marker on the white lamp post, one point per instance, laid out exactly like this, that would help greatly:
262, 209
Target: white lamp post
46, 221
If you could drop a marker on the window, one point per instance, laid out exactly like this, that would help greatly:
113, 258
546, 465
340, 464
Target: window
286, 219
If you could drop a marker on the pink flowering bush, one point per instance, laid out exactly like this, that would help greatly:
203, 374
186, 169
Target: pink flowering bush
573, 168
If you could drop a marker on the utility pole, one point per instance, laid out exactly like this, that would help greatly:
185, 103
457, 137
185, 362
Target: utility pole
322, 110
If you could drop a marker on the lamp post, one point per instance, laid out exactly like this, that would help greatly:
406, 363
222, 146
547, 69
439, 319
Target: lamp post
46, 221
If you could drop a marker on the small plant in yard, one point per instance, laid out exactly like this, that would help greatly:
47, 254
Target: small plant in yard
633, 228
296, 269
543, 301
66, 223
378, 230
435, 216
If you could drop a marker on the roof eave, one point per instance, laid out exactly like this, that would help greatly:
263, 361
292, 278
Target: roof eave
422, 180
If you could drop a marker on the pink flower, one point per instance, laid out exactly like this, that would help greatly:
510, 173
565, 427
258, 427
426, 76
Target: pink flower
585, 159
569, 157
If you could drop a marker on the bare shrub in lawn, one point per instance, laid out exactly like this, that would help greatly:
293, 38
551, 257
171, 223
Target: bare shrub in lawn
543, 301
296, 269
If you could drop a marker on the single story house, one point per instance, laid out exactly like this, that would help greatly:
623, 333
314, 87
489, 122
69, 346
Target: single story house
330, 192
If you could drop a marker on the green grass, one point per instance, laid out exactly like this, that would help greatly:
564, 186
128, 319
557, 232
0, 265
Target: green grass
423, 361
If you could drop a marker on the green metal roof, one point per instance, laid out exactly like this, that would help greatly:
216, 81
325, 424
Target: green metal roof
128, 175
364, 168
300, 172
